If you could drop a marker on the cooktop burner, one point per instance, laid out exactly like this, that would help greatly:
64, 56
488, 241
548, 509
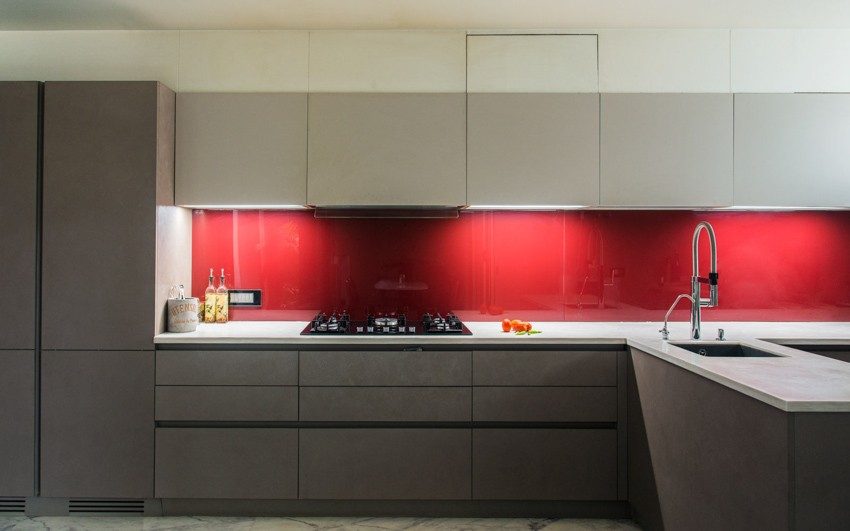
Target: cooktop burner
389, 324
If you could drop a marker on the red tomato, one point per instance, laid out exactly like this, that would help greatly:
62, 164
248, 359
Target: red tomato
506, 325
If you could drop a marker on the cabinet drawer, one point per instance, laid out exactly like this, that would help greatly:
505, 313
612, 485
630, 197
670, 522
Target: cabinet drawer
517, 367
544, 464
226, 367
386, 403
226, 403
256, 463
386, 368
385, 464
545, 404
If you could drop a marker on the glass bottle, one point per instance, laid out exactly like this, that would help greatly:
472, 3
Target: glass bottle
222, 299
209, 301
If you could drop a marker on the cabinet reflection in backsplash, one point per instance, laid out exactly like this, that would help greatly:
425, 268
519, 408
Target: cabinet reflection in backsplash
541, 266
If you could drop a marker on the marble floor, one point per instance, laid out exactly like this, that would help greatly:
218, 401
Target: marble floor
198, 523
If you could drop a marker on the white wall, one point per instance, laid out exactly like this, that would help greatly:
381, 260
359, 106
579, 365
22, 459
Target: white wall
629, 60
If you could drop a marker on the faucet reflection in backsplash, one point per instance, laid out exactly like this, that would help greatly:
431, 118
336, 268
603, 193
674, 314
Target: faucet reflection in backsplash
697, 302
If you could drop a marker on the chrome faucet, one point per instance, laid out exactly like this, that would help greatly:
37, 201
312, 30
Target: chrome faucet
697, 302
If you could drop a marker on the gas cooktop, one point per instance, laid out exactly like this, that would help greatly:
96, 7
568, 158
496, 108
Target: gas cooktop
390, 324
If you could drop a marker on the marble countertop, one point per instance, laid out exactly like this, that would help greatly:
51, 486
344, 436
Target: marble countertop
793, 381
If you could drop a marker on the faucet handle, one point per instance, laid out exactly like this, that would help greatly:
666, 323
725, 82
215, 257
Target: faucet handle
720, 334
665, 334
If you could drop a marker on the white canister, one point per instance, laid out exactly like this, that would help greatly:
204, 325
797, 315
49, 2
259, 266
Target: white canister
183, 314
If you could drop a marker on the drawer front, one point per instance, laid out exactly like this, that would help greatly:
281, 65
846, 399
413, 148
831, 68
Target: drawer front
386, 368
178, 403
255, 463
517, 367
544, 404
226, 367
544, 464
385, 464
435, 404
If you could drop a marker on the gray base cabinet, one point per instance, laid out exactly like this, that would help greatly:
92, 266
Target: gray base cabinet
97, 424
385, 464
246, 463
391, 426
544, 464
703, 456
17, 422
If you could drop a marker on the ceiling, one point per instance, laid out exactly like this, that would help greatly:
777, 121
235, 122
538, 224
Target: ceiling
420, 14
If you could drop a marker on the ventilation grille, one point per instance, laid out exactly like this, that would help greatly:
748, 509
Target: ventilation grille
76, 506
12, 505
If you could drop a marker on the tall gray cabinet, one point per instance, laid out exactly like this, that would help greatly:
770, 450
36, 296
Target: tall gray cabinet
19, 110
108, 165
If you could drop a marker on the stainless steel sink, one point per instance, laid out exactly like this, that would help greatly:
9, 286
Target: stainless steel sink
725, 350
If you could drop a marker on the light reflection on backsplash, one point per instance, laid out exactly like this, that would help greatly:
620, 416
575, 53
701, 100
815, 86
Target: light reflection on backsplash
543, 266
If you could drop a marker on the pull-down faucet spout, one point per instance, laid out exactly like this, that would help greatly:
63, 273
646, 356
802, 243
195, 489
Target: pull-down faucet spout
696, 280
697, 302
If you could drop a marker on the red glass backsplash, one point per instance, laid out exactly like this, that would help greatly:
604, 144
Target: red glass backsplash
543, 266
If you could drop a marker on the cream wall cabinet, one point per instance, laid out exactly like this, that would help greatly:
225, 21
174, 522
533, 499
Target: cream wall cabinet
387, 149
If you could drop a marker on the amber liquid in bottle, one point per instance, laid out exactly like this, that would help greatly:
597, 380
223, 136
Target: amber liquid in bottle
222, 300
210, 301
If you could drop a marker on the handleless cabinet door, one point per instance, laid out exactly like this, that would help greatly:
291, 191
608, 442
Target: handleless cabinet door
389, 368
235, 463
387, 149
17, 422
666, 150
544, 464
791, 150
385, 464
97, 424
241, 149
18, 204
226, 367
104, 175
533, 149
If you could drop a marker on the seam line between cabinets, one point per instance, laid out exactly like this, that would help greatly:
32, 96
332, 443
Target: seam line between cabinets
39, 227
153, 490
307, 140
733, 149
599, 140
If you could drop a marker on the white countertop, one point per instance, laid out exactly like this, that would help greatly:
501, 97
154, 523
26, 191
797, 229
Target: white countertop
794, 381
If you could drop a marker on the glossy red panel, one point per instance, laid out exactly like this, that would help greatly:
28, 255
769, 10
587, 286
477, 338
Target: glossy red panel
544, 266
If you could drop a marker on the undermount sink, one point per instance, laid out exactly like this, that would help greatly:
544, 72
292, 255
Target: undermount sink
725, 350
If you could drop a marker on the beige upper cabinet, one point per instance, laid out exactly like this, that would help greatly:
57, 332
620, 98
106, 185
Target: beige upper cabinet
387, 61
533, 149
387, 149
791, 150
666, 150
531, 63
241, 149
533, 120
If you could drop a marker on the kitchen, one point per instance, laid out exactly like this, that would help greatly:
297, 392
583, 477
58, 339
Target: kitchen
408, 264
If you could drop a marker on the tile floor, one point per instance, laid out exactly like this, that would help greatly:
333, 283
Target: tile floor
105, 523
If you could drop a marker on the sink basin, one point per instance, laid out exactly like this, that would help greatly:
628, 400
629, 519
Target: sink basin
725, 350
